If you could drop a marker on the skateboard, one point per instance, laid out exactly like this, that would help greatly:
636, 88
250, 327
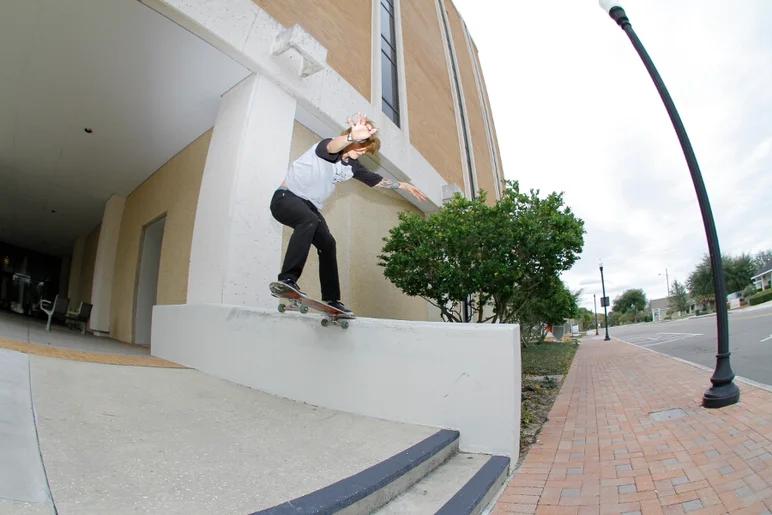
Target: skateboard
302, 304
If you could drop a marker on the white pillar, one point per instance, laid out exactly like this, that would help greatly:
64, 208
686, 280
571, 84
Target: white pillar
76, 268
236, 248
104, 267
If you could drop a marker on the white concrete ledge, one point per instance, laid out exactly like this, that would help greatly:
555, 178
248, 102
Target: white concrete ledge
453, 376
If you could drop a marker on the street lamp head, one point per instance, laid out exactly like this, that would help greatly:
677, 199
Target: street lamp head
600, 264
607, 5
615, 10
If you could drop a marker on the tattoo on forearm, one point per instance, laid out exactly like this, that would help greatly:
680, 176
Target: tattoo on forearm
388, 183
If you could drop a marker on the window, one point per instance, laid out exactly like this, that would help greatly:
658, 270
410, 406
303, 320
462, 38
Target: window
389, 78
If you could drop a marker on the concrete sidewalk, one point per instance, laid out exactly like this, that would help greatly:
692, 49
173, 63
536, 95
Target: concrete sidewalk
141, 439
28, 330
602, 452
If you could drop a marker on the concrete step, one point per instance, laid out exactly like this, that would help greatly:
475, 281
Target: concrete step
369, 490
465, 484
431, 477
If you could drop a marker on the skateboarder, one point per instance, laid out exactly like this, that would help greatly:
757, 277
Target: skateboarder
310, 180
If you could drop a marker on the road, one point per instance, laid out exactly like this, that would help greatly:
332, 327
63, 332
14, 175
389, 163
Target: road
694, 339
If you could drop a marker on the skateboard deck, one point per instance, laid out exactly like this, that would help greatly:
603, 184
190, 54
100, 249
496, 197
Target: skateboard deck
302, 304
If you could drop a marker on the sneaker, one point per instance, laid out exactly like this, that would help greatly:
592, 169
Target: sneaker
292, 284
339, 305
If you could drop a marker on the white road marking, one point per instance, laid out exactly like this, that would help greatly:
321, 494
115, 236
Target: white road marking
661, 338
767, 338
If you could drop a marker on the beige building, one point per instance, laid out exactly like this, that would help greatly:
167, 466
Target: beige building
140, 144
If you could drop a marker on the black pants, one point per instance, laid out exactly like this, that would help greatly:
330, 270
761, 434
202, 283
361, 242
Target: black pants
309, 227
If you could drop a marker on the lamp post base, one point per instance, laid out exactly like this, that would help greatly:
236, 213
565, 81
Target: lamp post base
721, 396
724, 391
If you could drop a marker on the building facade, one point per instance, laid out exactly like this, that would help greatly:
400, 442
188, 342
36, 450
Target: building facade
148, 138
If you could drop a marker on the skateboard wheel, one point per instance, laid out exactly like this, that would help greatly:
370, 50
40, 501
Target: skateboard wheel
344, 324
304, 309
325, 322
282, 308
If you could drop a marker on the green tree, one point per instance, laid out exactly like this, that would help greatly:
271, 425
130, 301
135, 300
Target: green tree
679, 298
506, 256
700, 281
738, 271
615, 319
633, 300
552, 307
761, 259
586, 318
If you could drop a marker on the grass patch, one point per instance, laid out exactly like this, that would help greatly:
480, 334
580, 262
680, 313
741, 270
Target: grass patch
548, 358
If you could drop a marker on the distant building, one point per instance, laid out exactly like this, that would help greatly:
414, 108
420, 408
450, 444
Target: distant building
763, 278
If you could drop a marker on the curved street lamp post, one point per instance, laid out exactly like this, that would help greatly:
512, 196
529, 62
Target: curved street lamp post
724, 391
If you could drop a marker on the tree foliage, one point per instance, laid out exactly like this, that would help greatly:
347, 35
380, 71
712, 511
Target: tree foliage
761, 259
738, 271
507, 256
556, 304
633, 300
679, 298
586, 318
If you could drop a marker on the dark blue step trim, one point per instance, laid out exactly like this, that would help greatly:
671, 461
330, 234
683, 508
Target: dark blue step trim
346, 492
475, 490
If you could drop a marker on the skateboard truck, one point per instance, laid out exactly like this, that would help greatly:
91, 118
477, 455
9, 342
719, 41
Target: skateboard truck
303, 304
327, 319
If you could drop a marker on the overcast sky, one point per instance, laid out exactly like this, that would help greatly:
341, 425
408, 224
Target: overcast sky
576, 111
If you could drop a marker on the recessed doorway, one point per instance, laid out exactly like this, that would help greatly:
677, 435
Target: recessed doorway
147, 280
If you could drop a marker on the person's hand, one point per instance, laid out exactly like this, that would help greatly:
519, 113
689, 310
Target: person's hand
413, 190
359, 128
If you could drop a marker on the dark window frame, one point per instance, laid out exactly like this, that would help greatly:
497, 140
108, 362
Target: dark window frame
389, 56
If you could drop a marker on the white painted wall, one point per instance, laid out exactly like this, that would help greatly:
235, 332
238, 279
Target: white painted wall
458, 376
147, 286
236, 247
104, 267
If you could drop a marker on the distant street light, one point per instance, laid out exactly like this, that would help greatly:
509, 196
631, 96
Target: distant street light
667, 282
604, 300
594, 303
724, 391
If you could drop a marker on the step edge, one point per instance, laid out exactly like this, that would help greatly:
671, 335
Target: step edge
477, 493
358, 489
402, 484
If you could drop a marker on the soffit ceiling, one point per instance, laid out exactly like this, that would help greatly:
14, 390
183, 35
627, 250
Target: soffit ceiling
145, 86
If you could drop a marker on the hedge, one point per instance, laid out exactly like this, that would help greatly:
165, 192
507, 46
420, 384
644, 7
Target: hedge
764, 296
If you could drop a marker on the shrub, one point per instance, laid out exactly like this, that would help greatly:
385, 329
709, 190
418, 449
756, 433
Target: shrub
761, 297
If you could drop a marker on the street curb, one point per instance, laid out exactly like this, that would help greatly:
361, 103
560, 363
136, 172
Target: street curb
740, 379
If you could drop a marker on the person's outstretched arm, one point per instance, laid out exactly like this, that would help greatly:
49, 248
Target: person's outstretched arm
396, 185
376, 180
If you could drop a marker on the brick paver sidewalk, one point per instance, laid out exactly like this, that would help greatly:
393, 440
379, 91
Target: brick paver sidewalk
602, 453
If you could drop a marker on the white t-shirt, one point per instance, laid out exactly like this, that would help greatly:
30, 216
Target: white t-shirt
314, 174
